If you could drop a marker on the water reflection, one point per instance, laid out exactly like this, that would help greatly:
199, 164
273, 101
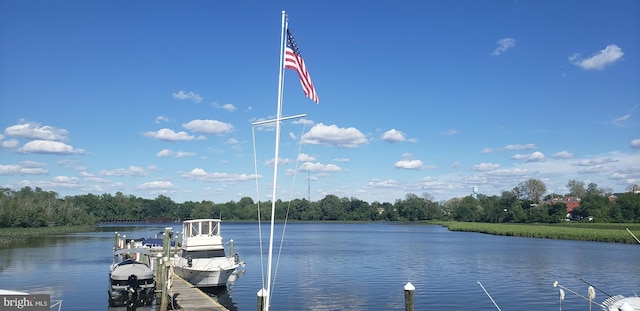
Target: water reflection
222, 295
333, 266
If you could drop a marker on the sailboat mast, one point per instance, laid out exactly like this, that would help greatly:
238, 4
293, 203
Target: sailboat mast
275, 165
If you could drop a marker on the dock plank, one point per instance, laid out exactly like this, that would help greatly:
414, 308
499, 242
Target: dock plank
190, 298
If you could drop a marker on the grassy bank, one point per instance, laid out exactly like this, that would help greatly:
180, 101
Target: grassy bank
9, 235
599, 232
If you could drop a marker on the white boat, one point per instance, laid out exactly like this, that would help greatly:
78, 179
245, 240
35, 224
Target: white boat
203, 261
131, 281
621, 303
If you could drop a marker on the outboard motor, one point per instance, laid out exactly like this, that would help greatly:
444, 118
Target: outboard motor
132, 292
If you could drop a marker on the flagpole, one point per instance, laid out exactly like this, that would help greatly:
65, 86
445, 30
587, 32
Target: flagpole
275, 165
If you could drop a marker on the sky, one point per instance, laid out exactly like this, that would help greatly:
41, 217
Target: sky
416, 97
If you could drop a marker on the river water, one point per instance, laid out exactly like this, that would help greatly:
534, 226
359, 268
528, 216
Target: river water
352, 266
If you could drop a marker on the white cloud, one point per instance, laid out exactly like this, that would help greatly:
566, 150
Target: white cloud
166, 134
35, 131
319, 167
130, 171
184, 154
229, 107
622, 119
387, 183
533, 157
333, 135
520, 147
164, 153
303, 157
485, 167
21, 170
201, 175
161, 119
281, 161
9, 144
510, 172
209, 127
410, 164
596, 161
563, 155
598, 61
155, 185
50, 147
635, 143
181, 95
393, 136
503, 45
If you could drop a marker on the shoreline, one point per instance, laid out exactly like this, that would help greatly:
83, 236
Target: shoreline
594, 232
12, 235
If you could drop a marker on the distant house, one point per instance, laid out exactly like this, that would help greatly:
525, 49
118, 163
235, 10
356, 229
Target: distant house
571, 202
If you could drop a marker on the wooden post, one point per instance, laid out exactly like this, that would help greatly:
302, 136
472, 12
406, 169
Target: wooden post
262, 294
408, 296
158, 263
117, 241
166, 242
163, 299
175, 242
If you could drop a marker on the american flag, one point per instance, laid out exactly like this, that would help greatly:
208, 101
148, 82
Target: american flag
293, 60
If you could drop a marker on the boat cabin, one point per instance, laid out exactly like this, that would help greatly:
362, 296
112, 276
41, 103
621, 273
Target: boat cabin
201, 234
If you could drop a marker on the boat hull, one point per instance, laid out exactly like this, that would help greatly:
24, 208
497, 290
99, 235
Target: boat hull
204, 278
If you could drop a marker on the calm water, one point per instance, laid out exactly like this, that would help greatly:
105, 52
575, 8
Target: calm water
327, 266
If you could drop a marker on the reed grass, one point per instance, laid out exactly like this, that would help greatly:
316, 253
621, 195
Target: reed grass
10, 235
598, 232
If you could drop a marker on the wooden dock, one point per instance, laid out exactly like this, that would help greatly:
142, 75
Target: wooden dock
190, 298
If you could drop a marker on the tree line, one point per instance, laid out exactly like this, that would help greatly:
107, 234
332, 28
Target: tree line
525, 203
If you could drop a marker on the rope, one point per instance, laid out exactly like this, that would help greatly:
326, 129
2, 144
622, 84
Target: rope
255, 167
286, 218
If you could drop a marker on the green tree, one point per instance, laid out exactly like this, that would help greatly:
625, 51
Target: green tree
331, 207
467, 211
629, 206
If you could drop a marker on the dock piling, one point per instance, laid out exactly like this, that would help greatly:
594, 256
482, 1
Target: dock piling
409, 289
262, 294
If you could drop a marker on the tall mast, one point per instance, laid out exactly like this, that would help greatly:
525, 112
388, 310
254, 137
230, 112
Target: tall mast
275, 165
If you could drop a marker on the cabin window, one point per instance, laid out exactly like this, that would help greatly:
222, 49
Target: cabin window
204, 254
194, 229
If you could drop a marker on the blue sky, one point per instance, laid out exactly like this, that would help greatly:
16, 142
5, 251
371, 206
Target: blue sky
158, 98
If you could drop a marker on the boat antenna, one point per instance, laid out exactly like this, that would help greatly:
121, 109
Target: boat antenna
594, 287
486, 292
